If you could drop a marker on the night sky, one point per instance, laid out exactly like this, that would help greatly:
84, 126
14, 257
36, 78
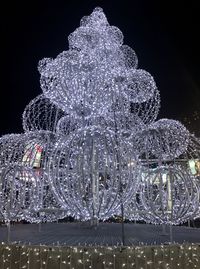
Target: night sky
164, 36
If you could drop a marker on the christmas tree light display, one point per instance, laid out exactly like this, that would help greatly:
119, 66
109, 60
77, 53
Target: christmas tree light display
92, 144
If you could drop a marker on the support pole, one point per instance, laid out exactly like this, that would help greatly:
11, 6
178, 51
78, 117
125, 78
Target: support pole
171, 233
8, 232
164, 229
39, 227
123, 234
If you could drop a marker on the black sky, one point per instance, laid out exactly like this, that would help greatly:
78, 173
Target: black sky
163, 34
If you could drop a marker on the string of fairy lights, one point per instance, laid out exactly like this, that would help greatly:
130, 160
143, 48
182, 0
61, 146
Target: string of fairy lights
92, 143
170, 256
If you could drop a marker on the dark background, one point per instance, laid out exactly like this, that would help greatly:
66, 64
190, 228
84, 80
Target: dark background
164, 35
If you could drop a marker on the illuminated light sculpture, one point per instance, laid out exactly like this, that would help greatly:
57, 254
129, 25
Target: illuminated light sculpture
19, 183
106, 98
96, 71
19, 191
22, 164
38, 149
89, 172
21, 149
164, 140
93, 134
192, 156
168, 194
11, 148
67, 125
49, 209
41, 114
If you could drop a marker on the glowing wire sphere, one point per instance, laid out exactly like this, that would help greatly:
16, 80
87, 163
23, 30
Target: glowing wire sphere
192, 157
165, 139
168, 194
68, 124
23, 162
41, 114
77, 87
11, 148
124, 124
139, 85
49, 210
30, 149
90, 173
19, 189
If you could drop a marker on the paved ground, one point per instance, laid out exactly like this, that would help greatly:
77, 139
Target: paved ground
105, 234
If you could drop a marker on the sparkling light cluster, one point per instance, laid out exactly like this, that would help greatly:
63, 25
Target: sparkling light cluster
92, 143
163, 256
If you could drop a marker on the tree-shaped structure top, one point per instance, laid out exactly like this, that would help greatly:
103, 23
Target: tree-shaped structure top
97, 73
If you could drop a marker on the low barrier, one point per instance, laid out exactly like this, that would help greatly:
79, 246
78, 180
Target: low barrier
61, 257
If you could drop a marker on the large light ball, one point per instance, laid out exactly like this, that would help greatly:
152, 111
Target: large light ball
76, 83
19, 191
41, 114
49, 209
92, 172
164, 139
168, 194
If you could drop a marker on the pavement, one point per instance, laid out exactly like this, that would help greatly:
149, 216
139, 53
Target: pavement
108, 234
